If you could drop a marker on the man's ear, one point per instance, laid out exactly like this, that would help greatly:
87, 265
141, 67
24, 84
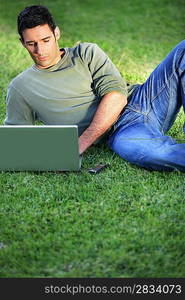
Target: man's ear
57, 33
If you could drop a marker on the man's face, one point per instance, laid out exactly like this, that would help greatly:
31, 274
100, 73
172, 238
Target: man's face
42, 45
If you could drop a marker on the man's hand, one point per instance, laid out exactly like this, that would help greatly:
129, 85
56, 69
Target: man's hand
107, 113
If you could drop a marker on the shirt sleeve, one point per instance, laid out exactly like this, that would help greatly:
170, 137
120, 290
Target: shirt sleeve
18, 112
105, 75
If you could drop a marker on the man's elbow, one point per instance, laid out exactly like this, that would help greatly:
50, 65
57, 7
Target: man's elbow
120, 97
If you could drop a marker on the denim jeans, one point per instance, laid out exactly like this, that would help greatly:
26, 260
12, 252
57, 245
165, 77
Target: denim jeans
139, 134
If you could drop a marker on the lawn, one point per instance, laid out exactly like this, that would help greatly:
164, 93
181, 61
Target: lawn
125, 221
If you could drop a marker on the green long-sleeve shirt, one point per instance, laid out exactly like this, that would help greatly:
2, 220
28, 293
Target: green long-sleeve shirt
65, 94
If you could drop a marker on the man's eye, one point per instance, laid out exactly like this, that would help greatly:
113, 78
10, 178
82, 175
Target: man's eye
46, 41
30, 44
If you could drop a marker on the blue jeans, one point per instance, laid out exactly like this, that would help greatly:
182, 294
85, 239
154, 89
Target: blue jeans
139, 134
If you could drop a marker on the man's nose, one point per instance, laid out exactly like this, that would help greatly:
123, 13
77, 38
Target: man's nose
39, 49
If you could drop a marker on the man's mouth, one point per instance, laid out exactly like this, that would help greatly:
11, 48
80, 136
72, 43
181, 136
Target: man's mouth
42, 58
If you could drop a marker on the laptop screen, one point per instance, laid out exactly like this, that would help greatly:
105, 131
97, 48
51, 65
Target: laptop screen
39, 148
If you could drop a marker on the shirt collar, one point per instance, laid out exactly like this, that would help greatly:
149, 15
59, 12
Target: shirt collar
64, 63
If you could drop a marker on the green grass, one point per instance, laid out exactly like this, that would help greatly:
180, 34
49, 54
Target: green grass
124, 222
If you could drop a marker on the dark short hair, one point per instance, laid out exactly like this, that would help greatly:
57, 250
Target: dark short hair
33, 16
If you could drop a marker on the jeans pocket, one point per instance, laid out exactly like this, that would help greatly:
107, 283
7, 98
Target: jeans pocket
127, 118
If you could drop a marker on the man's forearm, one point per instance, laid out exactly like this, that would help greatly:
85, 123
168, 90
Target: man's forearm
107, 113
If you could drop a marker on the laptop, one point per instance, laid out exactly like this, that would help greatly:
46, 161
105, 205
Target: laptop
39, 148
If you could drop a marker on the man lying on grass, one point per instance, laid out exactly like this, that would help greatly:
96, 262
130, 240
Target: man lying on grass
81, 86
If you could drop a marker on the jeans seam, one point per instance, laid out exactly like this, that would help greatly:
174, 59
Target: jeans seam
149, 127
167, 113
162, 88
138, 111
170, 77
